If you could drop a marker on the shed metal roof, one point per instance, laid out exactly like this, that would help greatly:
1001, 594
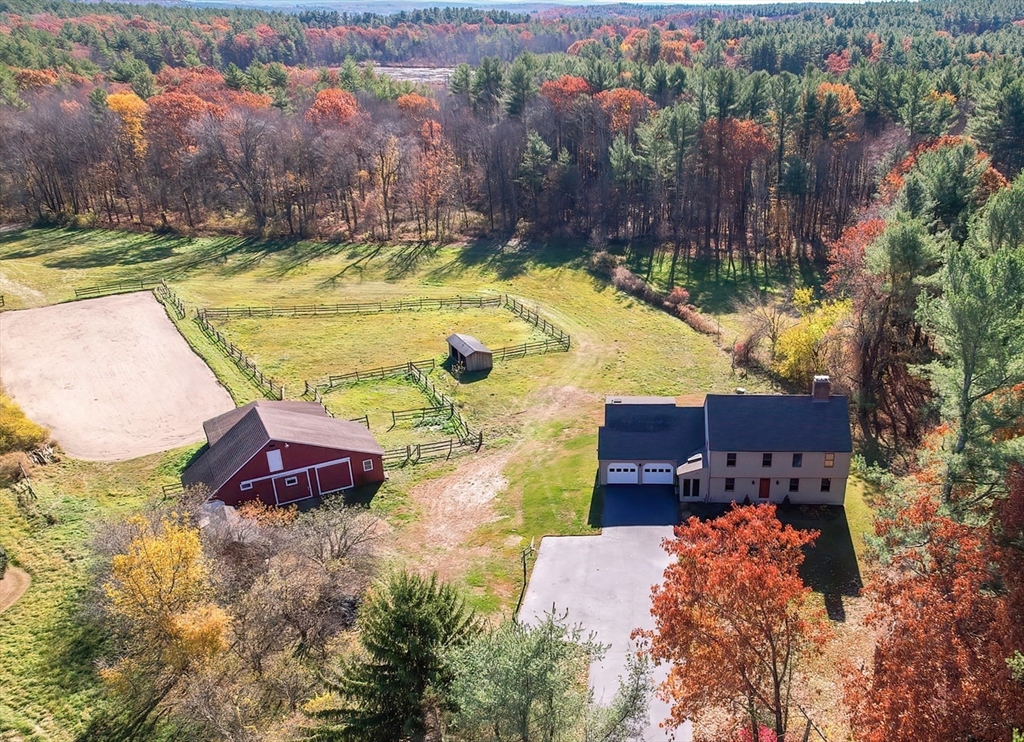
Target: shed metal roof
264, 422
467, 344
778, 422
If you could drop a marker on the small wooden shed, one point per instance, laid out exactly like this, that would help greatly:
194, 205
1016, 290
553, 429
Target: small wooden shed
470, 353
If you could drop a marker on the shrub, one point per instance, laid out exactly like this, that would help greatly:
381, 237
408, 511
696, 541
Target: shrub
678, 296
17, 432
3, 562
696, 320
603, 263
11, 465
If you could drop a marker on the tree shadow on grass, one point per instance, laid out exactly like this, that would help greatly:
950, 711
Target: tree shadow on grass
508, 261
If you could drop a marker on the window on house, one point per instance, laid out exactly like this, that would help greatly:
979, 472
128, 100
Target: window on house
368, 465
686, 488
798, 460
730, 459
291, 481
245, 486
766, 459
830, 460
730, 485
794, 485
826, 485
695, 492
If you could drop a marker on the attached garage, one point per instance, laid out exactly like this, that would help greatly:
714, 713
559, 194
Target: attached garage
661, 473
623, 473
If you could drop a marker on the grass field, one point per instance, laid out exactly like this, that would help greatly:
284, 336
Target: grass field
468, 518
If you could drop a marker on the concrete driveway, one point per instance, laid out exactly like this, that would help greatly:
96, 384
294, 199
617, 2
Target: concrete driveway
604, 582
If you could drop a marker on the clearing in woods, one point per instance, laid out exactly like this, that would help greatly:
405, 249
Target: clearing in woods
111, 378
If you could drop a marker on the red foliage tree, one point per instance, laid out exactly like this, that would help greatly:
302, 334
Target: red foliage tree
416, 106
624, 108
846, 256
733, 618
563, 93
332, 108
939, 669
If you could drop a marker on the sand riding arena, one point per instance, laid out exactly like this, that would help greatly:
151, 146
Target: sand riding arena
111, 378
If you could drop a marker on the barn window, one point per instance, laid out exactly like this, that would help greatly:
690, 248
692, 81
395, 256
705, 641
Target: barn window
730, 485
830, 460
730, 459
274, 460
245, 486
368, 465
291, 481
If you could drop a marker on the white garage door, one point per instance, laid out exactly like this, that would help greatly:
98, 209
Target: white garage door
623, 474
658, 474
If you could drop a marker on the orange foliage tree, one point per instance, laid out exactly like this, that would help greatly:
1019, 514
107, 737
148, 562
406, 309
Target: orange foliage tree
939, 669
624, 108
332, 108
416, 106
733, 617
131, 110
563, 93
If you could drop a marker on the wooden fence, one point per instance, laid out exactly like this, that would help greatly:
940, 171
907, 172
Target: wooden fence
440, 399
376, 307
521, 310
313, 389
528, 349
268, 386
164, 294
1, 300
422, 414
117, 287
415, 453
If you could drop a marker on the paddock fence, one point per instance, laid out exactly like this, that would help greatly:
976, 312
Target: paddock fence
523, 312
271, 388
2, 303
413, 454
115, 287
315, 389
376, 307
172, 301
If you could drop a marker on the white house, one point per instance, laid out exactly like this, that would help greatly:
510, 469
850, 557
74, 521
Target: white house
745, 447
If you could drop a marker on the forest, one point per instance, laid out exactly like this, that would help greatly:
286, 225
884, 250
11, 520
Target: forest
855, 169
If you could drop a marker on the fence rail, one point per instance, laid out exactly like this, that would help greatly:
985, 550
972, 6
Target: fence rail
521, 310
375, 307
268, 386
1, 300
440, 399
116, 287
414, 453
315, 388
541, 346
164, 294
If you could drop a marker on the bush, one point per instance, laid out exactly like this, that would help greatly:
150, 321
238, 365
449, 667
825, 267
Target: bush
696, 320
678, 296
3, 562
17, 432
11, 466
675, 303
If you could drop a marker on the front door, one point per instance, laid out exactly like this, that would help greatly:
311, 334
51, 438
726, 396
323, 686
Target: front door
765, 487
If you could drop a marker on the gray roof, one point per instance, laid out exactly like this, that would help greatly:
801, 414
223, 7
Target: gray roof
467, 344
263, 422
218, 426
649, 430
778, 422
639, 400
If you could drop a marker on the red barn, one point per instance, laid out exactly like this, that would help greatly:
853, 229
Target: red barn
283, 452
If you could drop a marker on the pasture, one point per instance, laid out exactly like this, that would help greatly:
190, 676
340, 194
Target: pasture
468, 518
111, 378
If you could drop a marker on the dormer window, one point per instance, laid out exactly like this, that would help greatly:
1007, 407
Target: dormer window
766, 460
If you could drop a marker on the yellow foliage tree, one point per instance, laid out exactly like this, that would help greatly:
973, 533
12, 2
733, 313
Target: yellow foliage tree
17, 432
132, 110
813, 345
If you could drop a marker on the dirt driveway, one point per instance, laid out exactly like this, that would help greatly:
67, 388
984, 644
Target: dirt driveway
111, 378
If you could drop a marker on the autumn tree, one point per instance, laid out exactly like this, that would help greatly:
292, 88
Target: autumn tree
332, 108
815, 344
733, 618
939, 669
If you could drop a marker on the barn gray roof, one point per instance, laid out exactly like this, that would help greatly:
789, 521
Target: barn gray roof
263, 422
218, 426
467, 344
649, 429
778, 422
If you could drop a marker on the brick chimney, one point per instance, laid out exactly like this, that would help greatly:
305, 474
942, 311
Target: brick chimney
821, 390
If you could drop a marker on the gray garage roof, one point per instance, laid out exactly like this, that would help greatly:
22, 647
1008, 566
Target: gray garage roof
263, 422
649, 429
467, 344
778, 422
